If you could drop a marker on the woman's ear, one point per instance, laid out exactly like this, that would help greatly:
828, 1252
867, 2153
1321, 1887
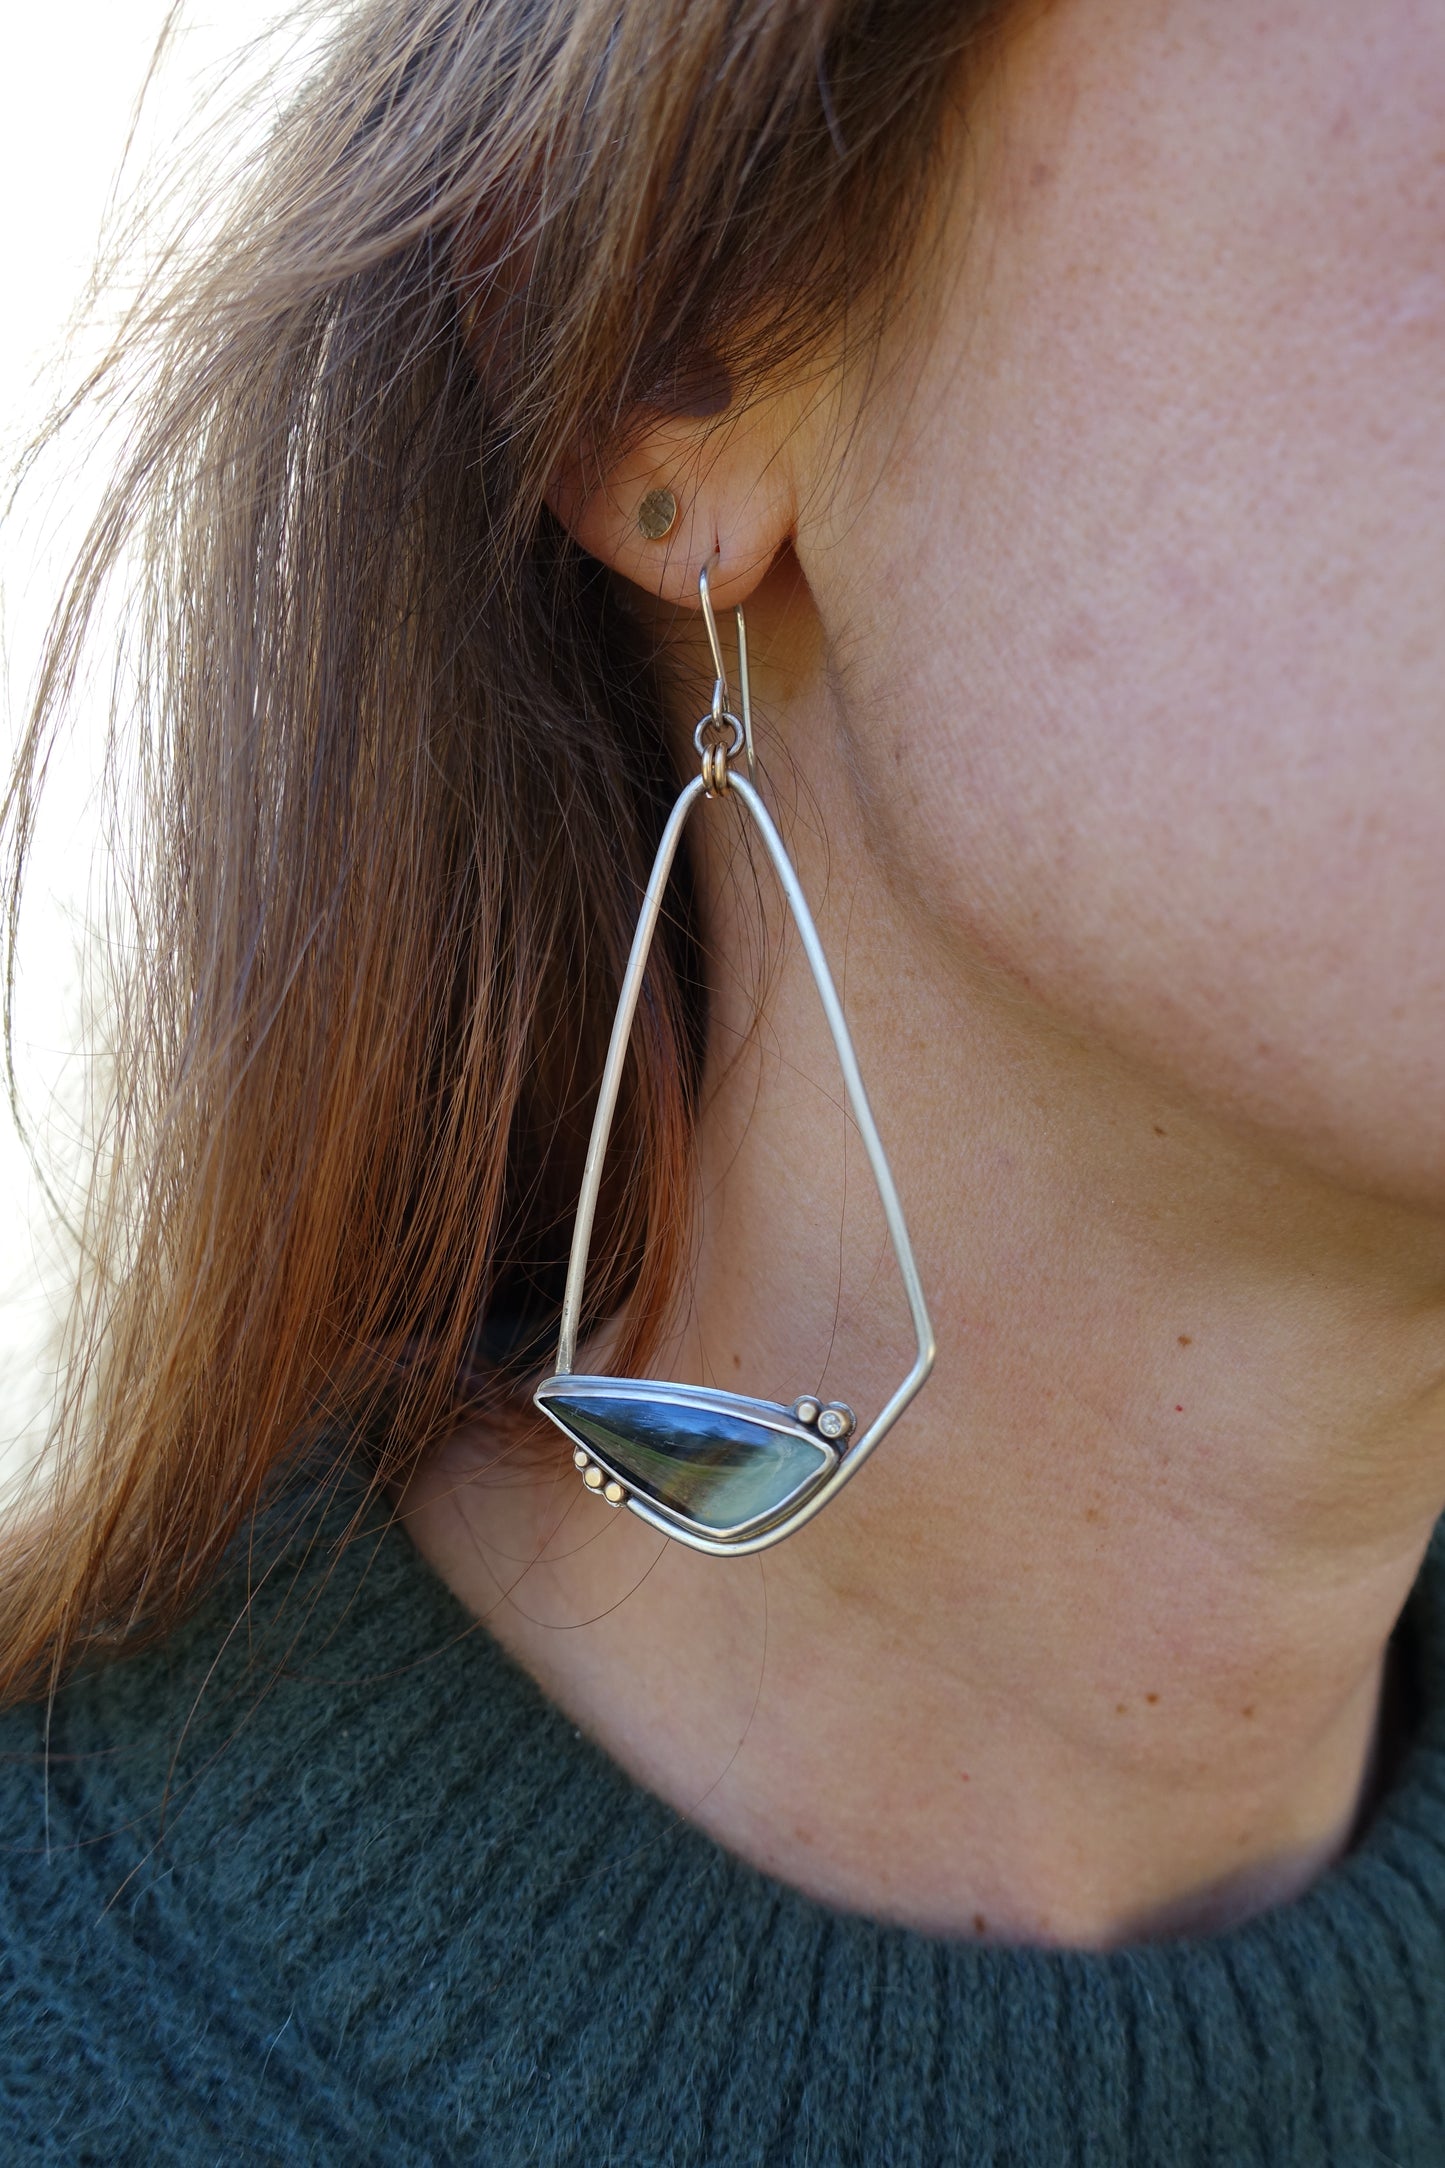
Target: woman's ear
732, 484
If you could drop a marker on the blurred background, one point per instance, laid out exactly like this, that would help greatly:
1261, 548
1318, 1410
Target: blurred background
77, 140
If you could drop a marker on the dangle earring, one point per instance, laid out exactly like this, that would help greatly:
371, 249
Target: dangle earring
721, 1472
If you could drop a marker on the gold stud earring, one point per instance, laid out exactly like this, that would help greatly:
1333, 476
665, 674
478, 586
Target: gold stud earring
657, 514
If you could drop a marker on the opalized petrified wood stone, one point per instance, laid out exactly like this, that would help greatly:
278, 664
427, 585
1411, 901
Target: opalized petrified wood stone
713, 1465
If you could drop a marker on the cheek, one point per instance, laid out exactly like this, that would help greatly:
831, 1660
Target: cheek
1260, 915
1164, 562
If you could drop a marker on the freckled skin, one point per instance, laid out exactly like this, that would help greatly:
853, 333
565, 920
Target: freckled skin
1174, 681
1100, 666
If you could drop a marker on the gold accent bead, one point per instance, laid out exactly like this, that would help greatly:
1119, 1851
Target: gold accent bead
579, 1458
614, 1494
593, 1478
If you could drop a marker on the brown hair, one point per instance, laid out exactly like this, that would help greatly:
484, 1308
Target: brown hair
402, 750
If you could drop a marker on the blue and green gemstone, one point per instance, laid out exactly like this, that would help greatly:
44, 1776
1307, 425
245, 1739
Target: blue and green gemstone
721, 1463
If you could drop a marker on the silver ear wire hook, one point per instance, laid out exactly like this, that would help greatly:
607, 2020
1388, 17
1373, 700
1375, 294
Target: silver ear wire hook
720, 699
745, 690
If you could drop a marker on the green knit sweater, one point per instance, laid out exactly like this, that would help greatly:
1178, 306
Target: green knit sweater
325, 1879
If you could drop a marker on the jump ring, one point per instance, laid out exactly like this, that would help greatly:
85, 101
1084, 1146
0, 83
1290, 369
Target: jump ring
715, 777
708, 722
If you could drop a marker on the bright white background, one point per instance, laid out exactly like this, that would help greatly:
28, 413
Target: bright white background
69, 81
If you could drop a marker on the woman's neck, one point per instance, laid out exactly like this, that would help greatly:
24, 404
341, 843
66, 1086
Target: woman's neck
1093, 1648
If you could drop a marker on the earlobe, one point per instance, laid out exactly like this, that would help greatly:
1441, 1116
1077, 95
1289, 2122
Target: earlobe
679, 498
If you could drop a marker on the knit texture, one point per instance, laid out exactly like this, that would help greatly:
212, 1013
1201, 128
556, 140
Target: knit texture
325, 1879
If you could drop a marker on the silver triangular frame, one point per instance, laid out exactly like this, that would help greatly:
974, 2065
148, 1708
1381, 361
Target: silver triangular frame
853, 1455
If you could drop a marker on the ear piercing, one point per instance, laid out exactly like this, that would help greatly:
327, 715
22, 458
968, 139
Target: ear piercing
657, 514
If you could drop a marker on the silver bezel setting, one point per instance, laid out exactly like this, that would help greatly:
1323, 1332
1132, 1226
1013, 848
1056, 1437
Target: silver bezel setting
668, 1391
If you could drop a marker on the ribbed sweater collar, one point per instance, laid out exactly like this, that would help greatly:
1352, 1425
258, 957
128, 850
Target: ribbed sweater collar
328, 1871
